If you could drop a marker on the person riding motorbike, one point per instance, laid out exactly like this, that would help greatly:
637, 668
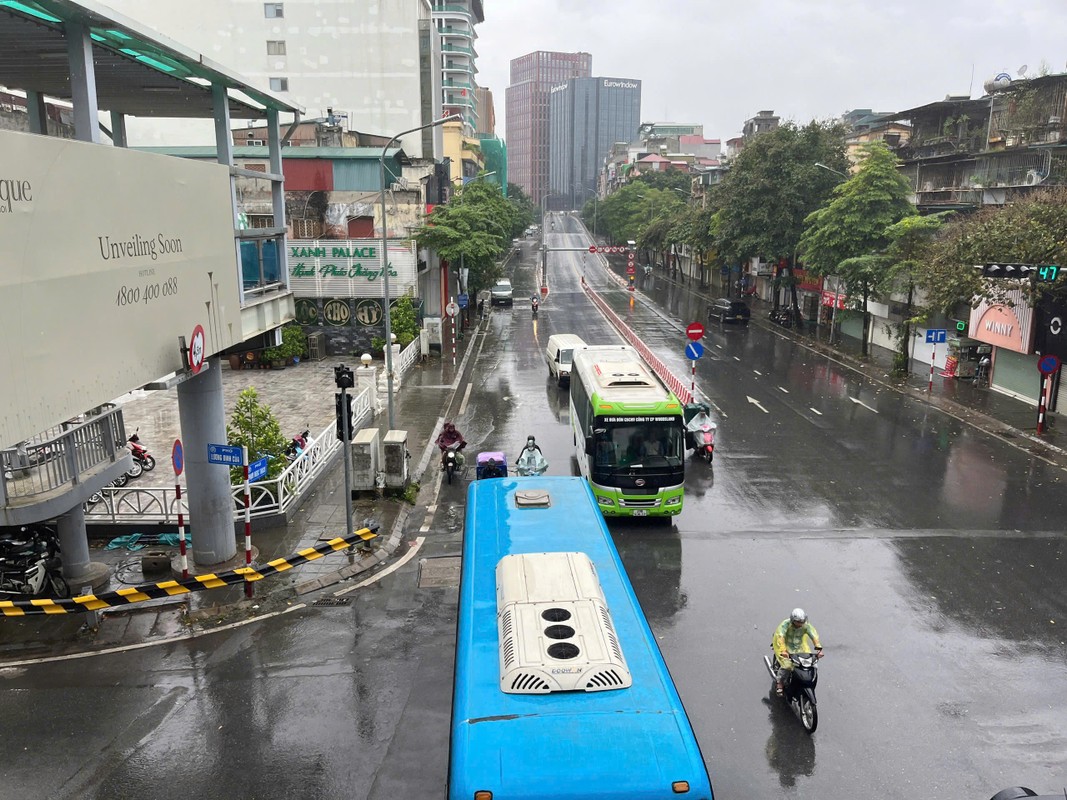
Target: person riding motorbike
793, 636
697, 423
531, 461
450, 438
535, 303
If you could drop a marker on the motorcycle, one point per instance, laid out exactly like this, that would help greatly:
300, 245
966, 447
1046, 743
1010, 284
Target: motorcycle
141, 455
798, 686
531, 461
297, 445
534, 305
783, 317
452, 459
703, 439
33, 568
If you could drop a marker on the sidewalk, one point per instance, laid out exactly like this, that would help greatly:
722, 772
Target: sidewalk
300, 397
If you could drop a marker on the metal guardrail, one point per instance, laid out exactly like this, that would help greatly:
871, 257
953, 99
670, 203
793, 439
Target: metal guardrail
196, 583
57, 458
132, 504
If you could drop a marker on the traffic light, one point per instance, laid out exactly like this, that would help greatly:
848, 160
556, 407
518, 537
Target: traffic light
1016, 271
343, 377
343, 405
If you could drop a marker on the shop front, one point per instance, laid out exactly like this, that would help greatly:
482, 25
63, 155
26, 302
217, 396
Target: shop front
1009, 328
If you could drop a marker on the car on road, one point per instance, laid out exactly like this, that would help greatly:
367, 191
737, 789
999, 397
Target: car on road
501, 293
726, 310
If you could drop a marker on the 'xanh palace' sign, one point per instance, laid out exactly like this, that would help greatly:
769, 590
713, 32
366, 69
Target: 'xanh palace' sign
349, 267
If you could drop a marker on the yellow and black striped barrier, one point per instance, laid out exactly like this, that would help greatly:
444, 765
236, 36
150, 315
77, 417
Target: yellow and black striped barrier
198, 583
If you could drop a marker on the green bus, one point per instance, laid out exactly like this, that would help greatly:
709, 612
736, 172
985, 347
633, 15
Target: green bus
629, 433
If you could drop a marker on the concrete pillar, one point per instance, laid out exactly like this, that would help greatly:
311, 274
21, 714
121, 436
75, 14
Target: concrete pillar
82, 82
367, 378
202, 413
78, 570
38, 113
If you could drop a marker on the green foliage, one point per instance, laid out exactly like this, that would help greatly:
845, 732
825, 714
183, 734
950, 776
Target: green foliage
474, 228
1031, 230
294, 342
772, 187
402, 321
254, 426
526, 213
664, 181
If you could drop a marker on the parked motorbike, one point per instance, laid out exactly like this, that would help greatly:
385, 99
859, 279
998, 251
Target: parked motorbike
297, 445
798, 686
33, 567
141, 454
783, 317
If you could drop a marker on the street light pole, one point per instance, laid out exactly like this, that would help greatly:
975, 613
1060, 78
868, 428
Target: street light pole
385, 262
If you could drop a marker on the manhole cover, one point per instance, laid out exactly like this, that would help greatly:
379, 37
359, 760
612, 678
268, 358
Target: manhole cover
332, 601
437, 573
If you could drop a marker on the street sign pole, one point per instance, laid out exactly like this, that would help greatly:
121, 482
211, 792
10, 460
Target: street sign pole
933, 357
177, 459
249, 591
346, 426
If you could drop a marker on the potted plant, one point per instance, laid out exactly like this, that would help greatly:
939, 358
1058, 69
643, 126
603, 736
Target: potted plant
294, 343
275, 356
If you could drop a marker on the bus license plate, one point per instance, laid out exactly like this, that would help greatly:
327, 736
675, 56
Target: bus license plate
640, 512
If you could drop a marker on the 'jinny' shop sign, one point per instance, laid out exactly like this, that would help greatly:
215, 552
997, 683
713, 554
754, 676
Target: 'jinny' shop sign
349, 267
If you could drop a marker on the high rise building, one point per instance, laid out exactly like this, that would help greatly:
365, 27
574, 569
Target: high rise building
483, 99
586, 116
526, 112
455, 21
374, 65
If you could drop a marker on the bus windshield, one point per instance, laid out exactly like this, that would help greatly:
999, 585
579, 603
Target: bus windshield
638, 442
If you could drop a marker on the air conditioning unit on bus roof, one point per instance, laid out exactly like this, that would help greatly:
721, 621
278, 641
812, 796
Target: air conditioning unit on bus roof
555, 628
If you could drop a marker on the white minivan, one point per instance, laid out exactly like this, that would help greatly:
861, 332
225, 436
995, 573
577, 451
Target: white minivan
560, 350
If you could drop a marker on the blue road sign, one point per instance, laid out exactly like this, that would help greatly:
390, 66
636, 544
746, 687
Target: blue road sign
228, 454
936, 335
694, 350
463, 300
1048, 364
177, 457
257, 470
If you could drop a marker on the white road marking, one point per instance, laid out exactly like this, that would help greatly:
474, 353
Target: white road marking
758, 372
377, 576
861, 403
736, 358
466, 397
783, 389
816, 411
757, 404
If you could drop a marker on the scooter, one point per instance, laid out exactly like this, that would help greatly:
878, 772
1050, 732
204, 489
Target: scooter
531, 461
703, 440
534, 305
297, 445
34, 571
798, 686
452, 459
141, 454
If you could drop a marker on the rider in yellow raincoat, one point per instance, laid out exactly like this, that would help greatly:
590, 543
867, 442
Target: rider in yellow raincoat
792, 636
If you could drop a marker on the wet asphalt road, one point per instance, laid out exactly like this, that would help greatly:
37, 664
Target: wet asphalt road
929, 555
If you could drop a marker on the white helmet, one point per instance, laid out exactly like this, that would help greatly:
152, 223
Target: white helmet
798, 615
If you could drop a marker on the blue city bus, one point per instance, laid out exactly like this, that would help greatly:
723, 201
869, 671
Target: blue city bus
560, 690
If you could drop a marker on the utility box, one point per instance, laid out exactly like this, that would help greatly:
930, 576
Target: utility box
366, 458
395, 459
317, 346
432, 326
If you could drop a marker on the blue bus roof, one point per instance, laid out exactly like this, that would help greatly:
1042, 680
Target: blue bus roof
631, 742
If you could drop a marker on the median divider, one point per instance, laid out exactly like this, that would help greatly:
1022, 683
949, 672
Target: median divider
197, 583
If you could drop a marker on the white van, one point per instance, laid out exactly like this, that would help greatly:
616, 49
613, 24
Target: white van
559, 353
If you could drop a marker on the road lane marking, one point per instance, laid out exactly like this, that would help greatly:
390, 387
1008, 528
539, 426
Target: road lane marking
815, 410
410, 554
861, 403
736, 358
757, 404
466, 397
783, 389
758, 372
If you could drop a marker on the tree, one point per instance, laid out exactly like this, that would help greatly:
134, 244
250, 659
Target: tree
847, 237
526, 212
909, 245
473, 228
402, 321
1028, 231
253, 425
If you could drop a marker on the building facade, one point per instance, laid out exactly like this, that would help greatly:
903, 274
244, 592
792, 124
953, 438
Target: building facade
483, 99
586, 117
376, 65
455, 21
526, 111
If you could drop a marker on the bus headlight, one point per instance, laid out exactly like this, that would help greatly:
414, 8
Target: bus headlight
673, 501
605, 501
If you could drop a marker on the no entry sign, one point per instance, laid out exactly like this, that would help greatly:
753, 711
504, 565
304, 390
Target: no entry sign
695, 331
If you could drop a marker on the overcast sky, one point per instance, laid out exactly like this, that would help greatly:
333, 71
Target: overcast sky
718, 63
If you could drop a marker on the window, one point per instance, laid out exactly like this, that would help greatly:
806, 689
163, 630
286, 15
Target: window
275, 48
279, 84
273, 10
